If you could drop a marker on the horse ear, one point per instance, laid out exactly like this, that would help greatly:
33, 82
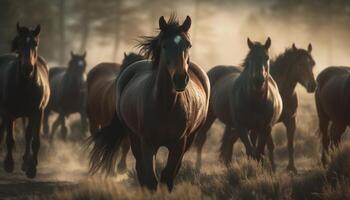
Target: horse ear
125, 55
37, 30
187, 24
268, 43
309, 48
162, 23
84, 54
250, 43
294, 47
71, 53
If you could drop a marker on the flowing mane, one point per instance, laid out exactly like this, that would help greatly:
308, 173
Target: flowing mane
150, 45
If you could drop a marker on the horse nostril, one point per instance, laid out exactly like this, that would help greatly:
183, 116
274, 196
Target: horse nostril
180, 81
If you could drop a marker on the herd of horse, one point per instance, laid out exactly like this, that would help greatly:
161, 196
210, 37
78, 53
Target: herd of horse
159, 97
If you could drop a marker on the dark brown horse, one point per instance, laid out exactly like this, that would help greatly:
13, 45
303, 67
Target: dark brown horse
24, 93
333, 105
101, 85
245, 100
294, 66
162, 102
68, 94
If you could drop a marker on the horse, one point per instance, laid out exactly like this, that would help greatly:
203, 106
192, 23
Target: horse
24, 93
293, 66
159, 102
68, 95
101, 84
245, 100
333, 104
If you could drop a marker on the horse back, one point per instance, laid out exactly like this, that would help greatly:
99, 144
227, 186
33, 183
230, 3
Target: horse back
101, 93
222, 80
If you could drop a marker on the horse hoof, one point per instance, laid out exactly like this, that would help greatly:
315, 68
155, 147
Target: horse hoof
9, 165
31, 172
291, 168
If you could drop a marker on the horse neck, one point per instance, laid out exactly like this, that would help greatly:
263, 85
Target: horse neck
75, 79
281, 73
253, 96
163, 90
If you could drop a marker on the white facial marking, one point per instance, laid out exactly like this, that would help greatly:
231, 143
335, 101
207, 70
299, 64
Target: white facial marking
177, 39
81, 63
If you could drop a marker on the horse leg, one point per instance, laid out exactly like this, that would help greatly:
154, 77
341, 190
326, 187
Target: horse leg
243, 135
148, 162
136, 151
262, 140
200, 139
55, 125
323, 123
34, 121
229, 138
271, 148
10, 142
176, 152
46, 127
27, 152
64, 129
125, 149
336, 132
84, 123
290, 126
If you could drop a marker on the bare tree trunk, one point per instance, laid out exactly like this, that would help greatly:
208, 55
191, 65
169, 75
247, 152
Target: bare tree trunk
62, 35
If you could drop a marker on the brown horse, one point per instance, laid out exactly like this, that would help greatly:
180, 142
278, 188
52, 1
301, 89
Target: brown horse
101, 85
162, 102
24, 93
294, 66
333, 105
245, 101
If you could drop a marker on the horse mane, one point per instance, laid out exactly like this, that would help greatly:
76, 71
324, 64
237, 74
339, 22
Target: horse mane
130, 59
150, 45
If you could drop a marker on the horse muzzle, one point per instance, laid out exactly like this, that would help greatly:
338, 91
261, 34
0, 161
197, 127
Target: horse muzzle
311, 86
180, 81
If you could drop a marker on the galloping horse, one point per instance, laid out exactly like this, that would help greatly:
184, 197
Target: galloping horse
24, 92
333, 105
245, 101
68, 94
162, 102
101, 85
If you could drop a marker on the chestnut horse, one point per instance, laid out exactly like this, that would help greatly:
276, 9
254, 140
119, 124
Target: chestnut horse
245, 101
68, 94
162, 102
24, 93
333, 105
101, 85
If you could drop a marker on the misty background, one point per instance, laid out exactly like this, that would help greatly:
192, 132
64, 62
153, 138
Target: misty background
108, 28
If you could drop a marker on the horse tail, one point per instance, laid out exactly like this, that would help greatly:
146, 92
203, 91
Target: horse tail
106, 143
